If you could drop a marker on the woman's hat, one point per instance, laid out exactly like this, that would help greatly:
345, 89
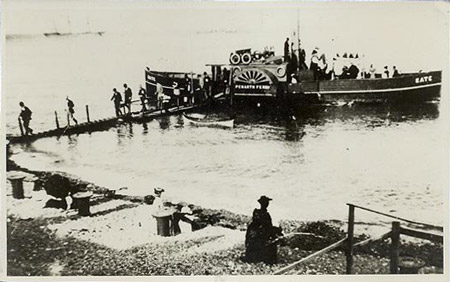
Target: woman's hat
264, 199
186, 210
158, 190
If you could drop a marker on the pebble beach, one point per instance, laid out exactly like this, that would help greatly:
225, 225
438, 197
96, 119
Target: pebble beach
120, 238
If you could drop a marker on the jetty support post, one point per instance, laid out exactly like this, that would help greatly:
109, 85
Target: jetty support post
351, 224
56, 120
20, 126
395, 243
87, 114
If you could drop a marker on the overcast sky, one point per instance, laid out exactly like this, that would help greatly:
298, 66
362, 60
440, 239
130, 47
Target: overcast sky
413, 35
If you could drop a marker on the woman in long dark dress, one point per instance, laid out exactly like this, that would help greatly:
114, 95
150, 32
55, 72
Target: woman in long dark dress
260, 233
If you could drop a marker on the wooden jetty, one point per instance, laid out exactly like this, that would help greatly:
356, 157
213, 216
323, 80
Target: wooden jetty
98, 125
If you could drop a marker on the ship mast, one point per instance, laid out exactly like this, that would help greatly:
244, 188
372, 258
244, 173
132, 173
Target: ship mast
298, 33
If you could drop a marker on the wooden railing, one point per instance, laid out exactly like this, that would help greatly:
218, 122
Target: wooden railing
394, 234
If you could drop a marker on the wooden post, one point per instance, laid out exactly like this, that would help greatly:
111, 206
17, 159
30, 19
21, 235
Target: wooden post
395, 243
351, 224
56, 120
87, 114
20, 126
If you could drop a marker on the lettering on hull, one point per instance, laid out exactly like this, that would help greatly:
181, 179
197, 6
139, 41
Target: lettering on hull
252, 86
424, 79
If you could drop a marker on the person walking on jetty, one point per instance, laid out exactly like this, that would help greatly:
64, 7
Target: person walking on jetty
260, 234
70, 109
25, 115
117, 98
143, 96
127, 97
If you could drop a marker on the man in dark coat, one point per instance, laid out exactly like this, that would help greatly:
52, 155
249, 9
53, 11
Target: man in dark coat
353, 71
260, 234
127, 93
143, 97
286, 50
70, 108
207, 84
117, 98
25, 115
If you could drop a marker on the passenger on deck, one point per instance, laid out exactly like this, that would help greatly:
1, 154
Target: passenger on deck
395, 72
260, 234
372, 71
386, 72
117, 98
25, 115
207, 84
345, 73
187, 89
353, 71
159, 96
127, 96
302, 58
70, 109
143, 96
226, 77
314, 66
286, 50
294, 59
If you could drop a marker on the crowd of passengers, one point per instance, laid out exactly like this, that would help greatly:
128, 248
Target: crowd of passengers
345, 66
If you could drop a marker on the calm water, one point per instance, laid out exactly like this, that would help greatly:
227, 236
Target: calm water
391, 159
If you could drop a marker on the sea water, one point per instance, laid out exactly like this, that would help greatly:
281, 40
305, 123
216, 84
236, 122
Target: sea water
391, 159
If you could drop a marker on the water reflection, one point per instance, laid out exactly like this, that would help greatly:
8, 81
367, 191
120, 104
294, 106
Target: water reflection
318, 158
72, 142
294, 130
164, 122
144, 128
361, 114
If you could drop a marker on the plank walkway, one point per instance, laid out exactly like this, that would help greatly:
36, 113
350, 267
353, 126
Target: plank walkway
99, 125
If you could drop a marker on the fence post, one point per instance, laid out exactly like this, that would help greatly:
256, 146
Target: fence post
20, 126
351, 223
395, 242
87, 114
56, 120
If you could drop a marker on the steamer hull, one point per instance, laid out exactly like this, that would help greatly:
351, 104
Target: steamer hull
408, 87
